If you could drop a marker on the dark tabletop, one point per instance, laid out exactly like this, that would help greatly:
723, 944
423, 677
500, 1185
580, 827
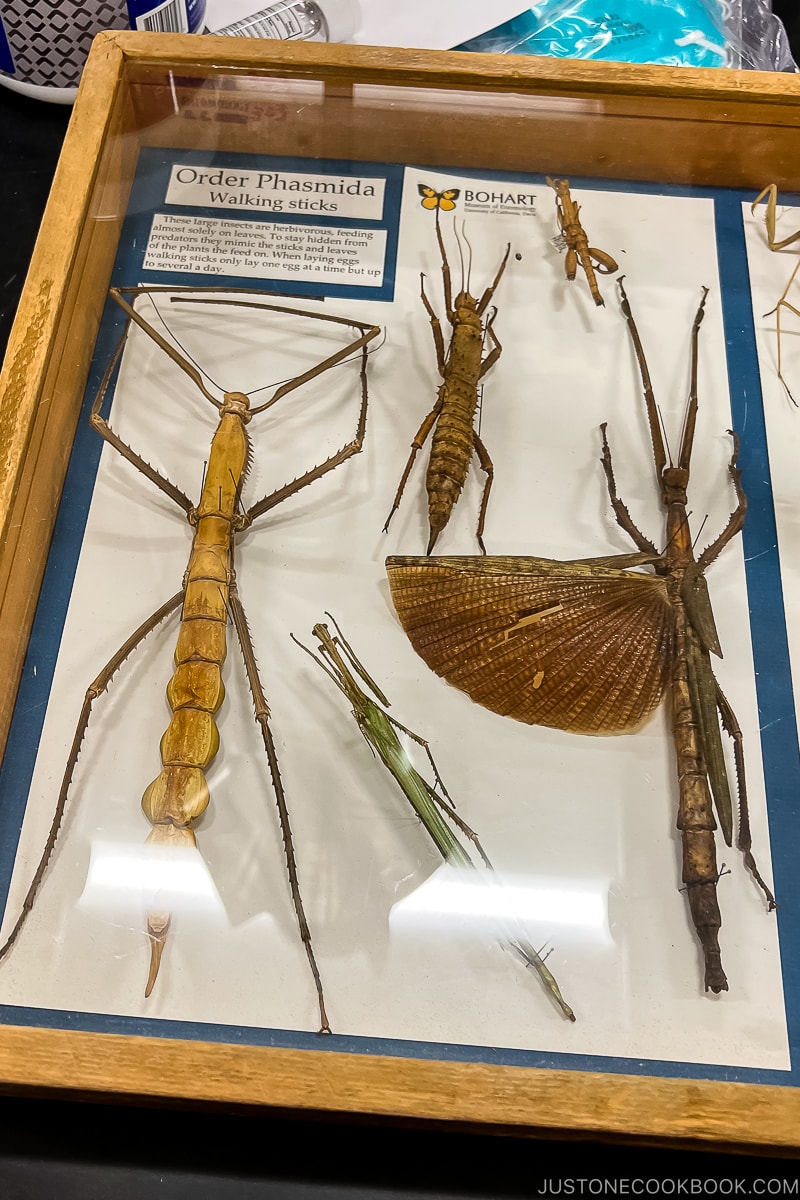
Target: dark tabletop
66, 1149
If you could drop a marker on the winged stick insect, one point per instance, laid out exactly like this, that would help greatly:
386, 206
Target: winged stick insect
451, 421
579, 251
593, 645
431, 802
207, 599
771, 192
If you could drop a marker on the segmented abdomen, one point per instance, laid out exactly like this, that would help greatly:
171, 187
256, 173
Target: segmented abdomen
453, 437
179, 795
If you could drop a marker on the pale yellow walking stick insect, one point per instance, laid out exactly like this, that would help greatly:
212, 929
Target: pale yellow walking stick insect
771, 192
208, 596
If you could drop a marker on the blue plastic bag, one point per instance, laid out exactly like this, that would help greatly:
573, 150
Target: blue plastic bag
696, 33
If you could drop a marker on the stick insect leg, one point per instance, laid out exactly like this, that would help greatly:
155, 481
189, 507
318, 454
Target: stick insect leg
744, 839
624, 519
491, 289
446, 283
108, 435
443, 798
95, 689
347, 451
420, 438
496, 350
784, 303
771, 192
436, 326
736, 519
482, 454
262, 719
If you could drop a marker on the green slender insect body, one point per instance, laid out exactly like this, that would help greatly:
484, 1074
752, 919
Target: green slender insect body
383, 735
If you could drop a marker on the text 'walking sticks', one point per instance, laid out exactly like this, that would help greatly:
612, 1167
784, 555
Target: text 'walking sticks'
431, 802
208, 598
452, 418
771, 192
577, 243
591, 646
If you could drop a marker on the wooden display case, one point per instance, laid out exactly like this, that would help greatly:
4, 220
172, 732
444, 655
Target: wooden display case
671, 132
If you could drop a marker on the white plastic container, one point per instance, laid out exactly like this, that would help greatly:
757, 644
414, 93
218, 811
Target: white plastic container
300, 20
44, 43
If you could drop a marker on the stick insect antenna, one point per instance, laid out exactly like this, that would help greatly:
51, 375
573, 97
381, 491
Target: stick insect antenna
350, 358
190, 357
664, 437
700, 530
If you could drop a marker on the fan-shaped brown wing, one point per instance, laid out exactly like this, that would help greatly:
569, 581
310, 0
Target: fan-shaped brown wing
571, 645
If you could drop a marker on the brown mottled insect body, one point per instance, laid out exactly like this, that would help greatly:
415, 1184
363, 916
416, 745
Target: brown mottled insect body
454, 435
452, 419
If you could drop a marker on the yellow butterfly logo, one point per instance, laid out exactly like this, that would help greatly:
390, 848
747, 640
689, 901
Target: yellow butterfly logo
431, 199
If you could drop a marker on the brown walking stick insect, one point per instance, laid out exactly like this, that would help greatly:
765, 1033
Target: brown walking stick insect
771, 192
452, 418
592, 646
577, 243
208, 598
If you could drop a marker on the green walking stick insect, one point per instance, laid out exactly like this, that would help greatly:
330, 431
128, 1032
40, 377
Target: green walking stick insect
432, 806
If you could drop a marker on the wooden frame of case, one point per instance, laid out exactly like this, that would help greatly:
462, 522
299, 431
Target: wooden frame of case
677, 126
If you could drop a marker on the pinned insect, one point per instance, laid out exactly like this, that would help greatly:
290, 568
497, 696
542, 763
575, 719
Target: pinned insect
592, 646
771, 192
430, 802
207, 598
452, 419
592, 260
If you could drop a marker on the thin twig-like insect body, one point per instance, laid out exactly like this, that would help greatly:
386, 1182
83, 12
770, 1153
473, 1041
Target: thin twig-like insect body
578, 249
771, 192
431, 802
207, 599
452, 419
591, 646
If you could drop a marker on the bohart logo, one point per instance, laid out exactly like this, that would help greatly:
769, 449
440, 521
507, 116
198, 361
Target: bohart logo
498, 198
431, 199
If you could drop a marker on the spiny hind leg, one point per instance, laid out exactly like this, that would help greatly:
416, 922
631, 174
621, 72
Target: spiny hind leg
744, 838
623, 517
347, 451
420, 438
262, 719
487, 465
95, 689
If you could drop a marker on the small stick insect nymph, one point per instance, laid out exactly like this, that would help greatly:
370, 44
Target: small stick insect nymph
579, 251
